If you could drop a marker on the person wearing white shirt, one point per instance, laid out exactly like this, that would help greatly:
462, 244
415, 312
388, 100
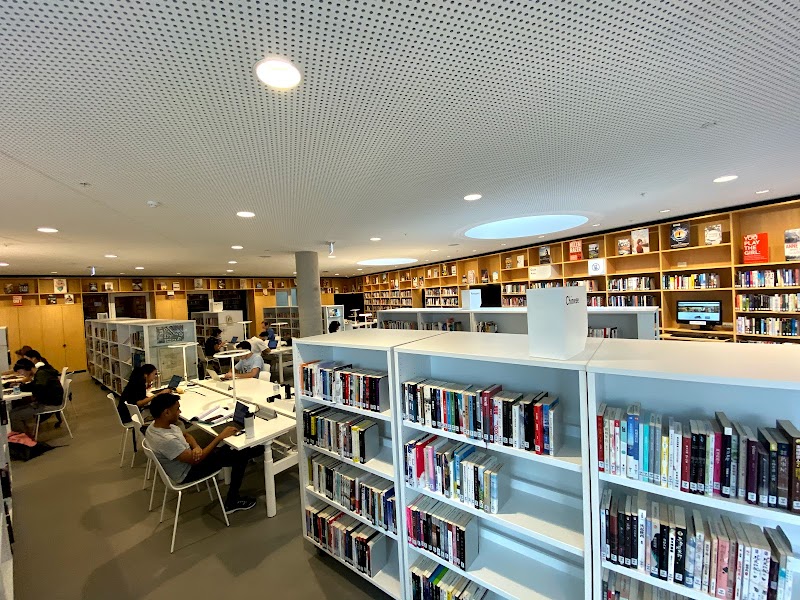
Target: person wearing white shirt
249, 365
257, 344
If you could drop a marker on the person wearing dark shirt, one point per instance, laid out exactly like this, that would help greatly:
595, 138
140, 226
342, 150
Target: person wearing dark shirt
19, 354
213, 343
135, 392
45, 386
40, 362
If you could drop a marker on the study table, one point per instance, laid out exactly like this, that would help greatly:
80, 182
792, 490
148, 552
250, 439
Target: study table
199, 398
255, 391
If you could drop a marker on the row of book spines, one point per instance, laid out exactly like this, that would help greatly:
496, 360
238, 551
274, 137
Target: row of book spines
455, 470
346, 538
432, 581
632, 283
351, 436
718, 457
399, 325
370, 496
338, 382
442, 530
768, 278
717, 556
631, 301
782, 302
768, 325
529, 421
694, 280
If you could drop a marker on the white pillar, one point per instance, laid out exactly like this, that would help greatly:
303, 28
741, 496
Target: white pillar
308, 293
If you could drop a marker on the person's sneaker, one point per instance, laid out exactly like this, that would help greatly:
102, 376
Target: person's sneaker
243, 503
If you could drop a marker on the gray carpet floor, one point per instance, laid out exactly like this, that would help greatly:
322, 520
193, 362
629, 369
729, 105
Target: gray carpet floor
83, 530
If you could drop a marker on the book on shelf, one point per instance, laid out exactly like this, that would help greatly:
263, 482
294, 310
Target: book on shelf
430, 579
444, 530
711, 457
93, 286
640, 241
755, 248
680, 235
576, 250
52, 299
8, 288
69, 298
712, 234
520, 260
136, 285
352, 437
455, 470
348, 539
484, 275
713, 555
791, 244
594, 250
544, 255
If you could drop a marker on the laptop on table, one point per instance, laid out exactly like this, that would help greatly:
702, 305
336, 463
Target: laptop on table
173, 384
239, 413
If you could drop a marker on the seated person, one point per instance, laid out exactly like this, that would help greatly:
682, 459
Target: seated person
185, 461
18, 354
258, 344
271, 344
40, 362
249, 365
213, 343
43, 383
334, 327
136, 391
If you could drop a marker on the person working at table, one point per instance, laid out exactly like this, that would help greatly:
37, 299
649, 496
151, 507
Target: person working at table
249, 365
185, 461
137, 389
45, 388
19, 354
41, 363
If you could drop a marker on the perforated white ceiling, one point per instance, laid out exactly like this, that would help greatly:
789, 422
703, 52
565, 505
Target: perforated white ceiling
405, 107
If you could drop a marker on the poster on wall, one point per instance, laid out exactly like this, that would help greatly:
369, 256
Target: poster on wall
169, 334
59, 286
69, 298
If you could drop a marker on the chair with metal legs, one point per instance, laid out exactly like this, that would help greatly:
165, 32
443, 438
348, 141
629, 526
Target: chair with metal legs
130, 426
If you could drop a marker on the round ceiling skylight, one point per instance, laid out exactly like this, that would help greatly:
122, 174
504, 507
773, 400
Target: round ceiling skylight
382, 262
525, 226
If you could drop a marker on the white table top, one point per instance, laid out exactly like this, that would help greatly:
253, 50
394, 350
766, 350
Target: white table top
8, 395
255, 391
194, 401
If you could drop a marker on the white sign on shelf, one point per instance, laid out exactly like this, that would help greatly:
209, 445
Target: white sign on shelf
557, 321
597, 266
540, 272
214, 306
470, 299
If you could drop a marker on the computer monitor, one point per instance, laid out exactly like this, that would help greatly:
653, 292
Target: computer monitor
706, 313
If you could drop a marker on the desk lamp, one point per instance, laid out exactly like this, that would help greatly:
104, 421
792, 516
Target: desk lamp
184, 346
244, 325
232, 354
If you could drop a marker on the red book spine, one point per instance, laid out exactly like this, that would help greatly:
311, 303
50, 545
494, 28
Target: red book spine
538, 422
752, 472
686, 461
600, 444
717, 462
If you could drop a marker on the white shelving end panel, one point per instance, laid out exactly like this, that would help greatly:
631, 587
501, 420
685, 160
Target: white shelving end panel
368, 349
480, 359
751, 383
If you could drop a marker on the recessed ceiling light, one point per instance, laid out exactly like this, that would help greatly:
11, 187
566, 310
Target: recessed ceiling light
245, 214
525, 226
502, 244
359, 269
294, 272
47, 230
122, 273
229, 270
382, 262
434, 250
762, 191
375, 239
726, 178
596, 225
541, 236
53, 272
277, 73
237, 247
153, 203
472, 197
335, 273
177, 273
111, 256
2, 264
664, 210
231, 262
139, 268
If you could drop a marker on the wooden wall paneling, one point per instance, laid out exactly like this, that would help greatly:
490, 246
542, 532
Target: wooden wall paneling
75, 351
53, 342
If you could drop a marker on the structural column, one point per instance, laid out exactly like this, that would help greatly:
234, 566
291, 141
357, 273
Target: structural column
309, 303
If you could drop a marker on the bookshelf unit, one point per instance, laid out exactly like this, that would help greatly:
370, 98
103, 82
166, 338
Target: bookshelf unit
115, 346
367, 349
754, 384
226, 320
283, 314
331, 313
538, 543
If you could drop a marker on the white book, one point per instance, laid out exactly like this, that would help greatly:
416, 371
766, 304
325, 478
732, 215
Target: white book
675, 455
792, 562
709, 483
641, 505
671, 545
623, 443
605, 503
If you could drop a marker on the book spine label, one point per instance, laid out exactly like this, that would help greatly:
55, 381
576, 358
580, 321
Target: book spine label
725, 466
686, 457
752, 472
783, 475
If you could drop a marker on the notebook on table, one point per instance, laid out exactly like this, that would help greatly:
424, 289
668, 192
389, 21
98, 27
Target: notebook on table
239, 413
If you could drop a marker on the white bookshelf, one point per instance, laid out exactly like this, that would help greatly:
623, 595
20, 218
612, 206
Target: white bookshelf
331, 313
538, 545
115, 346
369, 349
631, 322
229, 321
284, 314
755, 384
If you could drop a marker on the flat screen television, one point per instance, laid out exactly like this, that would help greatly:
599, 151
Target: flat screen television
706, 313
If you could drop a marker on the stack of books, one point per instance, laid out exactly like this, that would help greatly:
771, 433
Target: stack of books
449, 325
624, 284
632, 300
714, 457
617, 586
340, 383
693, 281
346, 538
443, 530
455, 470
603, 332
718, 556
368, 495
768, 302
350, 436
431, 580
529, 421
388, 324
780, 327
768, 278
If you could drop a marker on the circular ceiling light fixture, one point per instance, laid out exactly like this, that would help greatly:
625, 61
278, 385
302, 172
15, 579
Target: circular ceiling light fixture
382, 262
726, 178
277, 73
472, 197
245, 214
229, 270
237, 247
525, 226
762, 191
231, 262
374, 239
47, 230
3, 264
111, 256
139, 268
